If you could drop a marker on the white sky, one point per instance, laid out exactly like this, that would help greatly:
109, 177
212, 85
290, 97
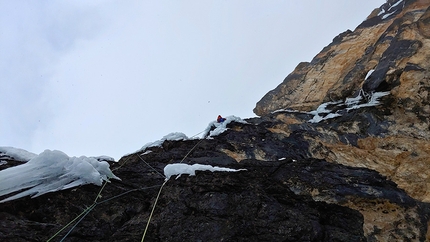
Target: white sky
107, 77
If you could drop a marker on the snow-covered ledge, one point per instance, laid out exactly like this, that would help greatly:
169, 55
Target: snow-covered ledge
180, 168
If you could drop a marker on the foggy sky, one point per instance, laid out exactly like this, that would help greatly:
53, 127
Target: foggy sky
107, 77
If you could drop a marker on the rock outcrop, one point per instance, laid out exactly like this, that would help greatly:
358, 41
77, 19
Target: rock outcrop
339, 153
393, 46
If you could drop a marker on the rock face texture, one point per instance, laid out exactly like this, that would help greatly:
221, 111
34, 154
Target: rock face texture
345, 157
284, 195
393, 46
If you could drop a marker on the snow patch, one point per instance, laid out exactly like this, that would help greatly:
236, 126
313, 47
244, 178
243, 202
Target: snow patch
390, 11
214, 128
373, 101
180, 169
52, 171
322, 109
361, 100
286, 110
147, 152
171, 136
104, 158
17, 154
387, 15
395, 5
369, 73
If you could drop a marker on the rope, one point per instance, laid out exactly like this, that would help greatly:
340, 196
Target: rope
84, 213
95, 203
152, 211
151, 167
87, 211
161, 188
116, 168
191, 150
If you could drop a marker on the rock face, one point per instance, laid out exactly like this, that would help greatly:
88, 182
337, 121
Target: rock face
284, 195
393, 138
352, 169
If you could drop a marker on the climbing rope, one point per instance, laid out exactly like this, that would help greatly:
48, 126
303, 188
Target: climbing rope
84, 213
151, 166
189, 152
164, 183
90, 208
152, 211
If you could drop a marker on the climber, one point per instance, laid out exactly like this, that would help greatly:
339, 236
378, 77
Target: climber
220, 119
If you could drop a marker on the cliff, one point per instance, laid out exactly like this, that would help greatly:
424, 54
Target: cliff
393, 46
339, 153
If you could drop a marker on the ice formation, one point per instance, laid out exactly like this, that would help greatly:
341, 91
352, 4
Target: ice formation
52, 171
17, 154
180, 168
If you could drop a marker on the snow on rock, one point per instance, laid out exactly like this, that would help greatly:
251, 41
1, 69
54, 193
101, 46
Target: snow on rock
373, 101
395, 5
389, 9
180, 168
52, 171
387, 15
322, 109
171, 136
369, 73
17, 154
214, 128
104, 158
361, 100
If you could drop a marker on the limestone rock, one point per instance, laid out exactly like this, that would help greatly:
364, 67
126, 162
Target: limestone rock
393, 46
394, 42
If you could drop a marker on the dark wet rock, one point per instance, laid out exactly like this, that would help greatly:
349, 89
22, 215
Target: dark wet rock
288, 198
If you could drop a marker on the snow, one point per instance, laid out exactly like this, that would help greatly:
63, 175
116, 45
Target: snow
322, 109
171, 136
180, 169
394, 5
52, 171
382, 12
353, 100
335, 109
369, 73
17, 154
360, 101
147, 152
286, 110
214, 128
373, 101
104, 158
386, 14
